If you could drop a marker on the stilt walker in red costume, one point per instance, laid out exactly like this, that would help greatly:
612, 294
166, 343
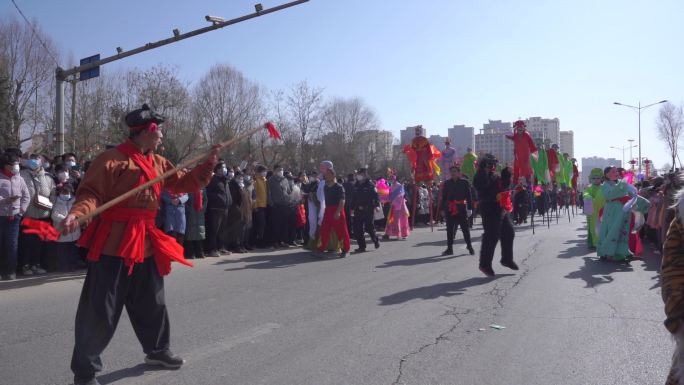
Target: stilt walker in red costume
523, 146
128, 255
422, 155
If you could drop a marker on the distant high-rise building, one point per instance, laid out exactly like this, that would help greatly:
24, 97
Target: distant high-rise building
550, 128
437, 141
462, 138
567, 144
598, 162
373, 146
492, 140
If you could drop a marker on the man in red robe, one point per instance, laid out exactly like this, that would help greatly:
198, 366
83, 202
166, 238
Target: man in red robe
523, 146
421, 154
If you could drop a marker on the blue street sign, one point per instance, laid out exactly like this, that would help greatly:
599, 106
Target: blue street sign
91, 73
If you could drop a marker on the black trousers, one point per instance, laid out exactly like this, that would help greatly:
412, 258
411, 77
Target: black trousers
363, 222
193, 249
260, 226
497, 226
281, 222
452, 223
106, 290
215, 227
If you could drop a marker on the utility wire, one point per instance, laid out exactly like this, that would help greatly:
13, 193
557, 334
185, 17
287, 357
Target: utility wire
35, 33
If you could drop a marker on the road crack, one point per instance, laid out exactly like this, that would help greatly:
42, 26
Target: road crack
452, 312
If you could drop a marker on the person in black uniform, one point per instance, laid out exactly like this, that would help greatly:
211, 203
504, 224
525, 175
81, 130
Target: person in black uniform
457, 203
365, 199
496, 220
348, 185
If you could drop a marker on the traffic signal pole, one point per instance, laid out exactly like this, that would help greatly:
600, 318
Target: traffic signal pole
62, 75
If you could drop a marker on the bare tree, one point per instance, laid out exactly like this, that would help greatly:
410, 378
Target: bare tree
305, 108
669, 124
227, 103
346, 123
29, 68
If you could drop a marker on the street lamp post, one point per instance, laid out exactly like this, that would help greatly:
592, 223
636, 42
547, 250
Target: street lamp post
631, 145
639, 108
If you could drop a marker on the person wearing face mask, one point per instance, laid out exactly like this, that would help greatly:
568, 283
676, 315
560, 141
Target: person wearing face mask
365, 199
279, 192
348, 185
65, 248
235, 228
260, 206
70, 161
219, 201
42, 191
14, 201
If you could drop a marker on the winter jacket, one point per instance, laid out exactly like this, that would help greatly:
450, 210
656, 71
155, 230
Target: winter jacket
218, 194
278, 191
46, 188
59, 212
194, 220
14, 186
261, 189
174, 216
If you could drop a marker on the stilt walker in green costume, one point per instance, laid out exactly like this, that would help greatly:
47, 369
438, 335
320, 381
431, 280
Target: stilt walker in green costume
469, 164
593, 203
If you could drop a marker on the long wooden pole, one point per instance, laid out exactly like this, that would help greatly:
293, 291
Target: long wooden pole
100, 209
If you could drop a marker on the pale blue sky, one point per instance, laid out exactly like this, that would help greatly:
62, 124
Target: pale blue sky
436, 63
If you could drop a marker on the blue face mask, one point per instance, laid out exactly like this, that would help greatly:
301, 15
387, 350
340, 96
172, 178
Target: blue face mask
32, 164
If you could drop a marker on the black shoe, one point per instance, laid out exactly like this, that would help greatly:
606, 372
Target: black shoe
511, 265
488, 271
471, 250
359, 250
86, 381
377, 243
343, 254
165, 359
448, 251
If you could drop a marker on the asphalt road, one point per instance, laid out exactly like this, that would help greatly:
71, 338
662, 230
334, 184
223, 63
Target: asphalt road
402, 314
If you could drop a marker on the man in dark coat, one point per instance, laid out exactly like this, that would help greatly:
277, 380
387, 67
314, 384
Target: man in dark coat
494, 194
219, 201
364, 201
457, 203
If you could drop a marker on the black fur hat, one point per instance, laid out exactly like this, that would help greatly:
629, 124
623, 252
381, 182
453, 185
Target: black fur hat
142, 117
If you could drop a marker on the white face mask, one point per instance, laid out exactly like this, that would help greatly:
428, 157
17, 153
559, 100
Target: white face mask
360, 178
224, 171
279, 173
264, 173
15, 169
71, 163
62, 176
230, 174
65, 197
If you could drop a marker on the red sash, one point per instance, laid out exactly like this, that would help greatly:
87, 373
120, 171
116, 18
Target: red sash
140, 224
453, 206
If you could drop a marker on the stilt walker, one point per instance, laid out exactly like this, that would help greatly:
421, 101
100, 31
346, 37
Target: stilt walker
421, 155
